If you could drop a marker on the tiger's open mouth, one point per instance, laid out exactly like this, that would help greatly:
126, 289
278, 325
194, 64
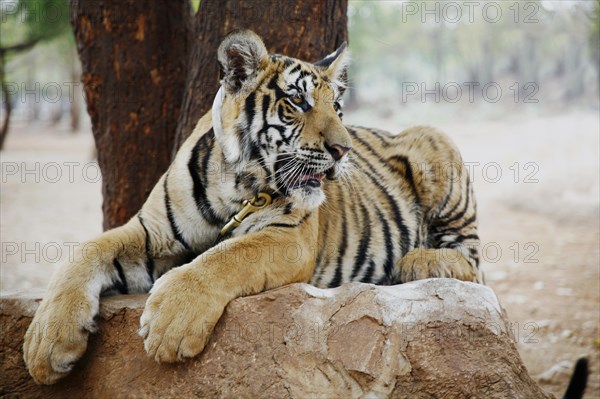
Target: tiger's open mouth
291, 176
308, 180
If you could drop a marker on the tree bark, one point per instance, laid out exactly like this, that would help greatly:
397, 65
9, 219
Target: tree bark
134, 58
75, 100
308, 30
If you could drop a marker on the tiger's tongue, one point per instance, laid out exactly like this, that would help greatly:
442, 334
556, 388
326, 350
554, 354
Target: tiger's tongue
317, 176
313, 180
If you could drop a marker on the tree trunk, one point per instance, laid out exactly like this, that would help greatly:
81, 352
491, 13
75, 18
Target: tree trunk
308, 30
134, 58
75, 100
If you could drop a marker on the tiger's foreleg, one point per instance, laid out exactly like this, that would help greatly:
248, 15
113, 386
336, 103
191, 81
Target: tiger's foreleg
116, 262
186, 303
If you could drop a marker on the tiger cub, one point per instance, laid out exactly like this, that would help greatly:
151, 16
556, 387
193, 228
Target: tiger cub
270, 189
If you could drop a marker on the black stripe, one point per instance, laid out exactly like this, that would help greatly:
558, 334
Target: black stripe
287, 62
279, 94
451, 211
337, 278
383, 143
294, 70
121, 285
289, 225
473, 254
204, 144
284, 225
266, 101
457, 229
460, 214
381, 137
388, 266
460, 239
368, 277
288, 208
249, 107
302, 75
322, 257
149, 258
255, 155
440, 243
171, 218
408, 175
449, 193
363, 247
283, 117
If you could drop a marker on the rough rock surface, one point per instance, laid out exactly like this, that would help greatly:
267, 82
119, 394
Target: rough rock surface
428, 339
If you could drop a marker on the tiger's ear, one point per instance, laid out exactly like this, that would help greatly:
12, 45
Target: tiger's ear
242, 55
336, 66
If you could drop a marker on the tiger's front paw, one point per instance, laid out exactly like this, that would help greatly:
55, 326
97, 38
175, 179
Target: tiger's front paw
179, 315
424, 263
57, 336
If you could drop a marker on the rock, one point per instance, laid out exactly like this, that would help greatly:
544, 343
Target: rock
432, 338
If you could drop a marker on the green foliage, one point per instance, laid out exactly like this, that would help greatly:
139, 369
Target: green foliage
195, 5
27, 21
597, 17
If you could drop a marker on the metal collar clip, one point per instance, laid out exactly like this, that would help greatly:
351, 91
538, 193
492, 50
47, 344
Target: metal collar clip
261, 201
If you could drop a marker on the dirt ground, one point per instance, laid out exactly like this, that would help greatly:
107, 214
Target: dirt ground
537, 184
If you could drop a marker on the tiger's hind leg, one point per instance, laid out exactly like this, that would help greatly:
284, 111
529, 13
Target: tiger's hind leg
422, 263
449, 240
450, 249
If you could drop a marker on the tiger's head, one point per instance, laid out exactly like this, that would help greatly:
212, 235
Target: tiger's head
281, 118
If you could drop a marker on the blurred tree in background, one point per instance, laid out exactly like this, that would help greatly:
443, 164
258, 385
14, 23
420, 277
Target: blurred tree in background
551, 44
595, 38
23, 24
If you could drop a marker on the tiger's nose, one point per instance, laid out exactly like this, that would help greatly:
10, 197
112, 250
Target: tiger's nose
337, 151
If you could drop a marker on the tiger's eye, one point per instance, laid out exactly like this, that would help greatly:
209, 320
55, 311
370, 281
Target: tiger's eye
300, 102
